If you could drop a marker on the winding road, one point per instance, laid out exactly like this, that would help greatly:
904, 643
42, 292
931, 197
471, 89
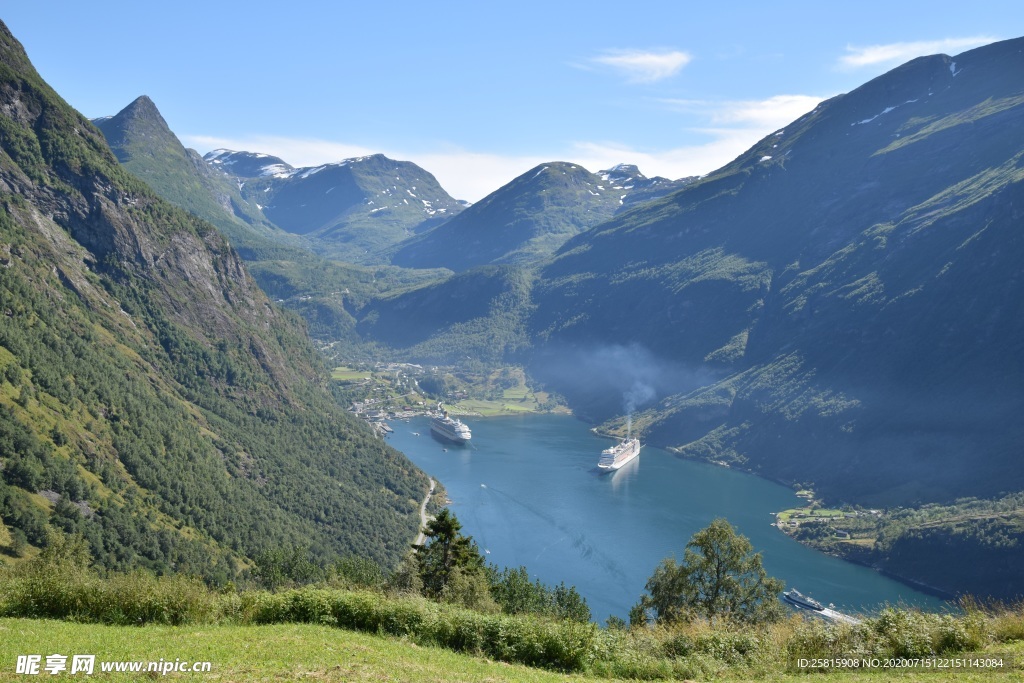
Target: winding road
423, 514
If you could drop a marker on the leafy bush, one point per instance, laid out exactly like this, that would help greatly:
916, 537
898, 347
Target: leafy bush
75, 593
903, 633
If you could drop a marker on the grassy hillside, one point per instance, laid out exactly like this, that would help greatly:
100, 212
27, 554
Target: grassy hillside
345, 635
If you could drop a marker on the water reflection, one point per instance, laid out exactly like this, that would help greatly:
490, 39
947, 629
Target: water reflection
621, 477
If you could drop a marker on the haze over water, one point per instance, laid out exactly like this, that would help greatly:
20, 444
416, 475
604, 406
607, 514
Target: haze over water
527, 489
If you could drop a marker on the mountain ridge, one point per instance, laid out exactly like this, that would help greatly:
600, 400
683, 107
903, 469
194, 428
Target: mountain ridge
812, 275
353, 209
528, 218
152, 399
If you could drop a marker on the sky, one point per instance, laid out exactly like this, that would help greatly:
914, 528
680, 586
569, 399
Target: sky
479, 93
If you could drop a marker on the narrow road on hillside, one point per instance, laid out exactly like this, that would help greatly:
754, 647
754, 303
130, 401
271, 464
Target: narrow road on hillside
423, 514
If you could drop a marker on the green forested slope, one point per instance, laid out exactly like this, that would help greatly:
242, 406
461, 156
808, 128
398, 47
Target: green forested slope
480, 314
842, 303
151, 397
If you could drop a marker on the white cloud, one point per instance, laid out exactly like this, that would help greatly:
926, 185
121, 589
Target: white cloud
645, 66
724, 131
295, 151
727, 129
688, 160
761, 115
474, 175
897, 53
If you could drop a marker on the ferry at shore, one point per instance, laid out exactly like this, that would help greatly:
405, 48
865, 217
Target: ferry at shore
802, 601
449, 428
618, 455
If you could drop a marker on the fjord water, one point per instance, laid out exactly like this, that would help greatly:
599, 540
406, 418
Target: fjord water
528, 490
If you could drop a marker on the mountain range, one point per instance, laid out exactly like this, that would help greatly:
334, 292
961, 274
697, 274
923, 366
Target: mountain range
785, 299
352, 210
146, 146
373, 210
843, 299
839, 307
526, 220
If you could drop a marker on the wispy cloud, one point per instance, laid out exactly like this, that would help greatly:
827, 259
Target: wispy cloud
295, 151
756, 115
721, 147
894, 53
728, 128
725, 130
644, 66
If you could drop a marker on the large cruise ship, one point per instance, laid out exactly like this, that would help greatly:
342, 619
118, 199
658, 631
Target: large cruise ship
448, 427
618, 455
800, 600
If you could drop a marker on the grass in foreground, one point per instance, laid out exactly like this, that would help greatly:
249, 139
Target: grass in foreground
323, 632
321, 653
253, 653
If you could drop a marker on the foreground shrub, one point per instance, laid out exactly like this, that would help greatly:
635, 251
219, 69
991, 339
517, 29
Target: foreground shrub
561, 645
817, 639
1001, 622
1007, 625
77, 594
900, 633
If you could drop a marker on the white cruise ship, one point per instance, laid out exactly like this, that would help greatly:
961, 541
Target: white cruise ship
449, 428
800, 600
618, 455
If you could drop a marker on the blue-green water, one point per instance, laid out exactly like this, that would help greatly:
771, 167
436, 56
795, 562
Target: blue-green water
528, 490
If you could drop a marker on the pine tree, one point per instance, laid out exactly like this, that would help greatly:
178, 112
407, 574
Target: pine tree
445, 551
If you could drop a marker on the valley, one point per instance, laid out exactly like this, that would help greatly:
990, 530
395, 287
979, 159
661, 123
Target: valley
836, 309
760, 316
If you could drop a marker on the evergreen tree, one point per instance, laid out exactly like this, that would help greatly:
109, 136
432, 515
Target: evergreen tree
445, 551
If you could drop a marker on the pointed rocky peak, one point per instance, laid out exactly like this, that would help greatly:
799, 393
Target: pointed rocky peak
139, 122
142, 108
142, 111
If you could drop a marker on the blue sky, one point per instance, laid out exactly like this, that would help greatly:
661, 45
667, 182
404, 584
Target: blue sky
478, 93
